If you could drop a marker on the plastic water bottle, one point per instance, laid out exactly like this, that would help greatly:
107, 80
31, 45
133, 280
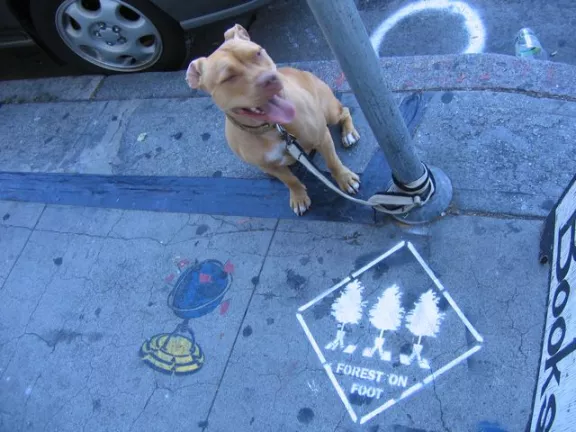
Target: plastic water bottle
528, 46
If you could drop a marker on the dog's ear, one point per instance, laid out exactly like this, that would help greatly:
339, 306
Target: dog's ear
194, 72
237, 32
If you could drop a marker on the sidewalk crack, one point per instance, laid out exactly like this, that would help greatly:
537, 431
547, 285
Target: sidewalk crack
240, 326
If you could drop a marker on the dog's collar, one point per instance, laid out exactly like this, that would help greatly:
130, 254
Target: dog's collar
256, 130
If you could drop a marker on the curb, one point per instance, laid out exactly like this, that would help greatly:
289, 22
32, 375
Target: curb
462, 72
466, 72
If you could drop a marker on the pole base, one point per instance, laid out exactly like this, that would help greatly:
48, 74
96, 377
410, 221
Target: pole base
436, 206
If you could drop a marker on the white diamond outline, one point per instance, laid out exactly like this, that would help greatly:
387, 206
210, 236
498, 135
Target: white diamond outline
418, 386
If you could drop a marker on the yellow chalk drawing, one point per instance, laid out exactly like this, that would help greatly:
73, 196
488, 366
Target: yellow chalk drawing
172, 353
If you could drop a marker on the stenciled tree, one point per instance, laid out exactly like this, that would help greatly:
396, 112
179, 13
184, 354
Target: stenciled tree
385, 315
347, 310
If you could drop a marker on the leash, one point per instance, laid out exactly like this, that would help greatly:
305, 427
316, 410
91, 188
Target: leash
398, 199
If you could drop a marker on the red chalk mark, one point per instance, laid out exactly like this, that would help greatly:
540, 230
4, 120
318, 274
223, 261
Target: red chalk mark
224, 307
461, 78
229, 267
485, 76
407, 84
340, 80
205, 278
221, 335
183, 263
243, 221
169, 278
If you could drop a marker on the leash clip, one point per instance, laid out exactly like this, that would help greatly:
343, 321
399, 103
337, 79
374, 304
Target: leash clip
286, 136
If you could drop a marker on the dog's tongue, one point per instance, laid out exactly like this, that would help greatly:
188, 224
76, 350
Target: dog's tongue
279, 110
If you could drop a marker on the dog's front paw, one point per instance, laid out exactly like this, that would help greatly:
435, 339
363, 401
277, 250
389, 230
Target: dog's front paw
349, 138
300, 202
348, 181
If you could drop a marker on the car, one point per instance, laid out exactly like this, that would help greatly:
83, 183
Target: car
113, 36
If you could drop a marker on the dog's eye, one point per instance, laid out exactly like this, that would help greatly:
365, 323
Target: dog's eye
260, 52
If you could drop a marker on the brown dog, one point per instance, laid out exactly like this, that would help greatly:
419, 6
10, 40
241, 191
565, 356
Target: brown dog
245, 83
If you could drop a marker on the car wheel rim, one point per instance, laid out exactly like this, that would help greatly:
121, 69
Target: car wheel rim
109, 33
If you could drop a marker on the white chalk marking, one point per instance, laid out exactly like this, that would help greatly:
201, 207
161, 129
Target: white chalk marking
312, 386
350, 349
463, 317
368, 391
324, 294
311, 339
425, 266
419, 230
421, 385
398, 380
425, 318
411, 390
355, 274
445, 293
359, 372
386, 314
351, 313
377, 260
454, 362
377, 411
341, 393
472, 22
423, 321
347, 309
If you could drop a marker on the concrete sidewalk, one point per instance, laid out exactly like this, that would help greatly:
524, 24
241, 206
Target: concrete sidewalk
83, 289
214, 313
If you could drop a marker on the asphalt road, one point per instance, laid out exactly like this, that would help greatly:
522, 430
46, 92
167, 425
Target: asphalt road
288, 31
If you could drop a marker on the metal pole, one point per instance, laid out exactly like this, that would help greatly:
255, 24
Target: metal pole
345, 32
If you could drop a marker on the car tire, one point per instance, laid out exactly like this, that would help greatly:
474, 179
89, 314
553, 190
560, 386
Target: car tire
110, 36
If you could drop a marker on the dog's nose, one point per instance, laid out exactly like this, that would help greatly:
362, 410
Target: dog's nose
269, 80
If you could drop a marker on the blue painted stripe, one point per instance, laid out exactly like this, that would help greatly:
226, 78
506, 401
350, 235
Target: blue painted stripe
265, 198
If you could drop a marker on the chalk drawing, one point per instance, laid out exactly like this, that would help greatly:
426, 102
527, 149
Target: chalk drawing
472, 22
368, 373
400, 381
313, 386
385, 315
347, 309
362, 390
199, 290
350, 349
423, 320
